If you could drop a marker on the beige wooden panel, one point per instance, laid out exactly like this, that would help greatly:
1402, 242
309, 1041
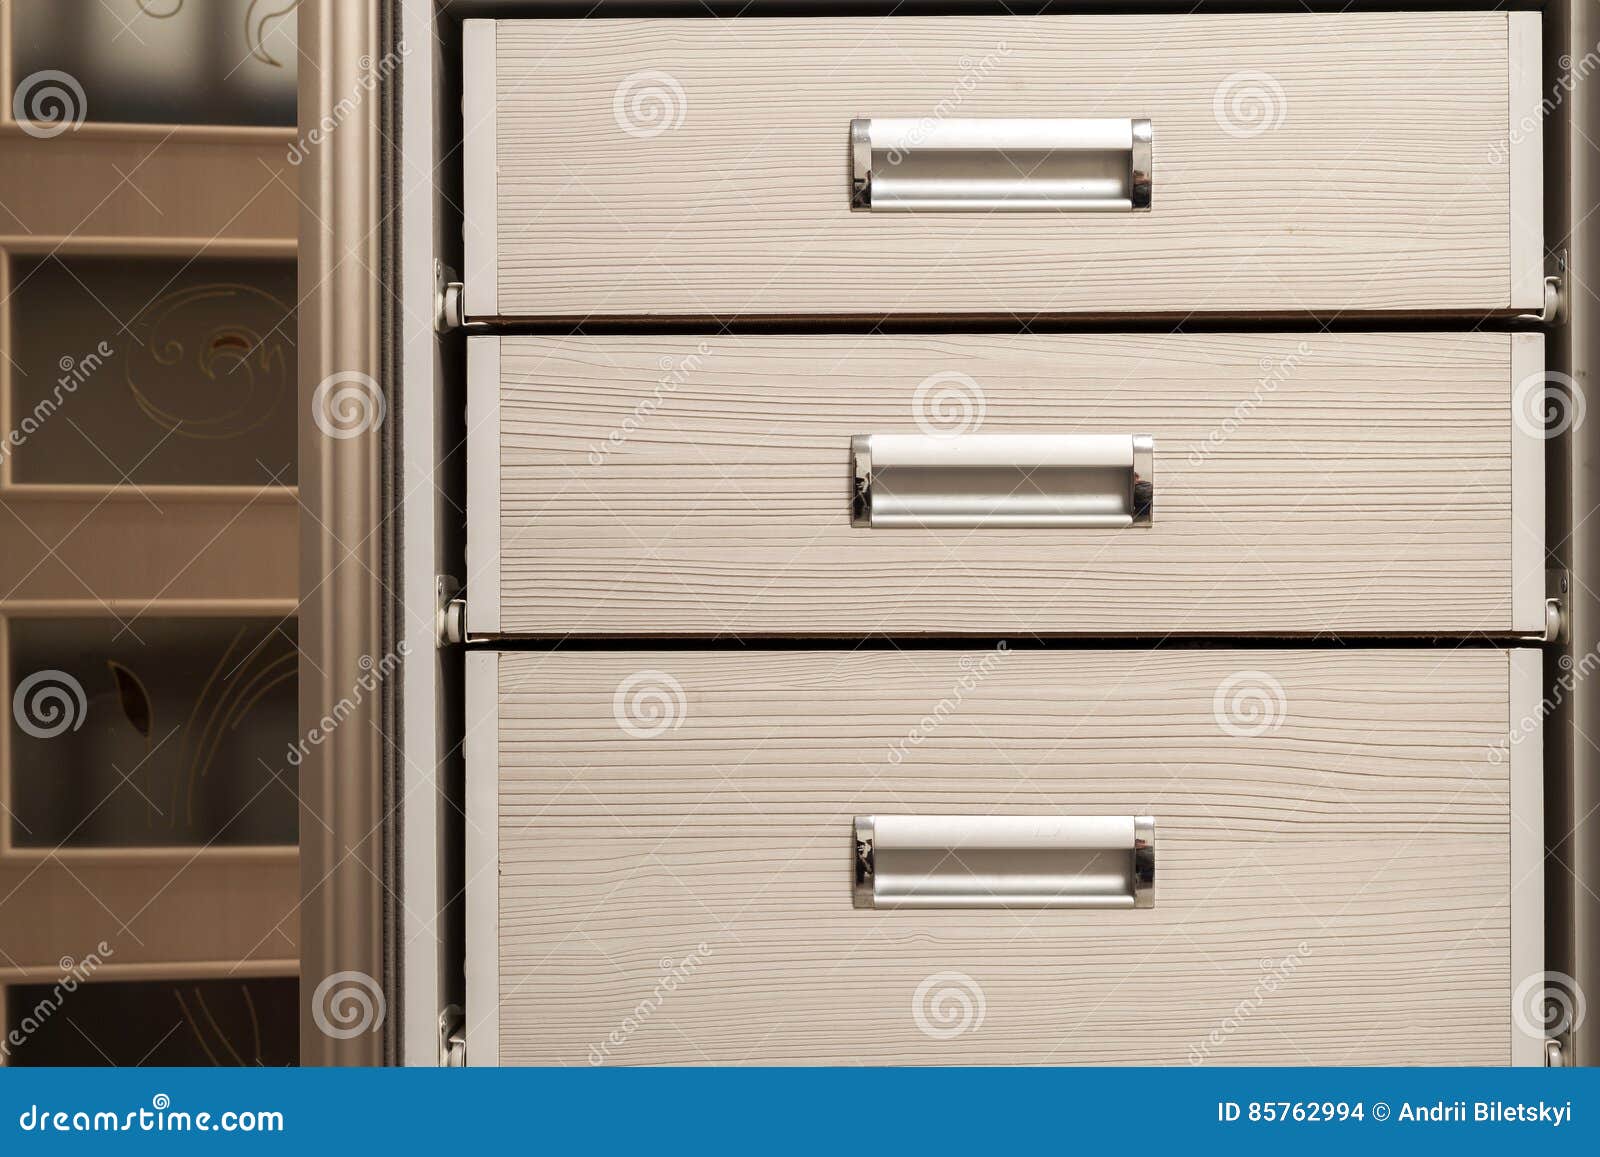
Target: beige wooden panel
150, 907
1332, 866
175, 182
180, 543
1303, 482
1303, 163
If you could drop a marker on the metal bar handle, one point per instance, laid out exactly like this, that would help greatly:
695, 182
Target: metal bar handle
1039, 165
1004, 861
999, 481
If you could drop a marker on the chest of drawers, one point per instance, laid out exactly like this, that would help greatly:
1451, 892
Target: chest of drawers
988, 536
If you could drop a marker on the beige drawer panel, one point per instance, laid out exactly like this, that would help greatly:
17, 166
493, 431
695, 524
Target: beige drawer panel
1376, 483
1302, 163
660, 856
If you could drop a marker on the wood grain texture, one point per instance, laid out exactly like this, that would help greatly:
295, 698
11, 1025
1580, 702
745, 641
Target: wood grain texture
1305, 163
198, 184
152, 909
1330, 890
103, 544
1304, 483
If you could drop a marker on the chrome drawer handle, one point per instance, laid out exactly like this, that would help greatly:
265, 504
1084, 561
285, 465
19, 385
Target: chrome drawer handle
908, 165
1000, 481
1004, 862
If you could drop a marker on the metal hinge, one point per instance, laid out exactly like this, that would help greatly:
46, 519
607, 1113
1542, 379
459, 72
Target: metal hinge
1555, 294
451, 609
1557, 590
452, 1038
448, 297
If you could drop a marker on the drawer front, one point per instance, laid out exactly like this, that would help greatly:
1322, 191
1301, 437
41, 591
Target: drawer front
1380, 483
1345, 871
1298, 164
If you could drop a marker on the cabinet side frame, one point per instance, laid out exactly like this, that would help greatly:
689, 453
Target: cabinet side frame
1574, 28
347, 813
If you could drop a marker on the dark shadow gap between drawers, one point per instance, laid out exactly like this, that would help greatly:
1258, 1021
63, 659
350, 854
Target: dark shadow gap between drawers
929, 323
682, 642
